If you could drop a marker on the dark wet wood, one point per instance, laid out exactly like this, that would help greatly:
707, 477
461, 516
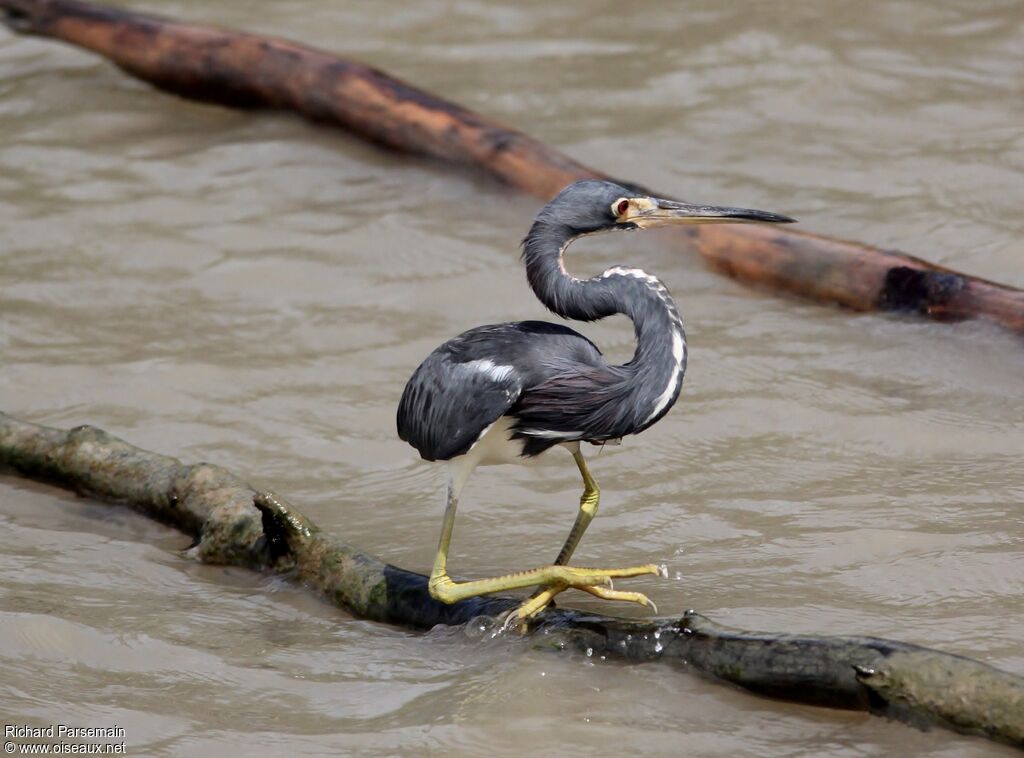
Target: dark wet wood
247, 70
233, 524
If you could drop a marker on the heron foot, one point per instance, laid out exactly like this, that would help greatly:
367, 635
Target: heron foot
442, 587
536, 603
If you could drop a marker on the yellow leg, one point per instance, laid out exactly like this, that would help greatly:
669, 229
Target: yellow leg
589, 501
442, 587
588, 509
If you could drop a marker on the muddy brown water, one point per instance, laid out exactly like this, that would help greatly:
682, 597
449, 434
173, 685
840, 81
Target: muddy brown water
254, 291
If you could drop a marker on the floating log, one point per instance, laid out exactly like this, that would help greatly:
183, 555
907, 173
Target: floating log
248, 70
232, 524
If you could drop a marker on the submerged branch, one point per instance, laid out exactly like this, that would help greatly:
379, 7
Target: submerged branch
248, 70
233, 524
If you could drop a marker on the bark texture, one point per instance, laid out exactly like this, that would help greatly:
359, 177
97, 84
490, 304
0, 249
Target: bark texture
247, 70
233, 524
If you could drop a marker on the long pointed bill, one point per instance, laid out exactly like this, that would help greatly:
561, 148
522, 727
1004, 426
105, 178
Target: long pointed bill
649, 212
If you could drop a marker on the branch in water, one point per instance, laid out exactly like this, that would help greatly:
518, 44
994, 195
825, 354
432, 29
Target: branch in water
248, 70
235, 525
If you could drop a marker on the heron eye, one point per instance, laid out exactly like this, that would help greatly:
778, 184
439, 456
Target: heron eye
621, 207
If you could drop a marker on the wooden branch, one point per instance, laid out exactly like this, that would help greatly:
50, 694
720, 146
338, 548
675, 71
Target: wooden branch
895, 679
248, 70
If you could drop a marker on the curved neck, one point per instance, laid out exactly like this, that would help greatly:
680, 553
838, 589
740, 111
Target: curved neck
649, 384
632, 292
566, 295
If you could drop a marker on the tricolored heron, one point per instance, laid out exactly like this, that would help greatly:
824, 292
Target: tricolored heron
506, 392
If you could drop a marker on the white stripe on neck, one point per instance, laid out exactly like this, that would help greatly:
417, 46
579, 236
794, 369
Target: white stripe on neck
678, 341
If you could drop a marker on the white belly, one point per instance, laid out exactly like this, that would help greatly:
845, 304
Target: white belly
494, 447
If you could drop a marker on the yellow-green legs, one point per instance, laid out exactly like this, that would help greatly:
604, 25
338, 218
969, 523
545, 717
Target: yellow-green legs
589, 501
443, 588
553, 579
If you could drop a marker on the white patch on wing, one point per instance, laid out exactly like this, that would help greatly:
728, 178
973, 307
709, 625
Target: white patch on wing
492, 369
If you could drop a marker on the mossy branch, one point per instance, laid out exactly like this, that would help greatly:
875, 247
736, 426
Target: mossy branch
233, 524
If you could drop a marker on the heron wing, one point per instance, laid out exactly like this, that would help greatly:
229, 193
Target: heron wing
471, 381
581, 402
449, 403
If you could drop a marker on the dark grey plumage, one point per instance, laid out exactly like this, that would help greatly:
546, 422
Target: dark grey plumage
550, 380
471, 381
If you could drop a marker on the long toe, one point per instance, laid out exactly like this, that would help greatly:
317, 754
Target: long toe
597, 582
628, 597
578, 577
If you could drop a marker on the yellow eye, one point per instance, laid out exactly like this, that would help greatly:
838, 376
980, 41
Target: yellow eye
621, 206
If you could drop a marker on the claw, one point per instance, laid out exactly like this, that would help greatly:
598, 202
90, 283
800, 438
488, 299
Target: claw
510, 620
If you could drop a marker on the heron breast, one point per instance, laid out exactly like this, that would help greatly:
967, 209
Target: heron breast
496, 445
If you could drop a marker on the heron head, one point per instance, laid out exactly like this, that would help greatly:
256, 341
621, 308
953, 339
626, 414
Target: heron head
590, 206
